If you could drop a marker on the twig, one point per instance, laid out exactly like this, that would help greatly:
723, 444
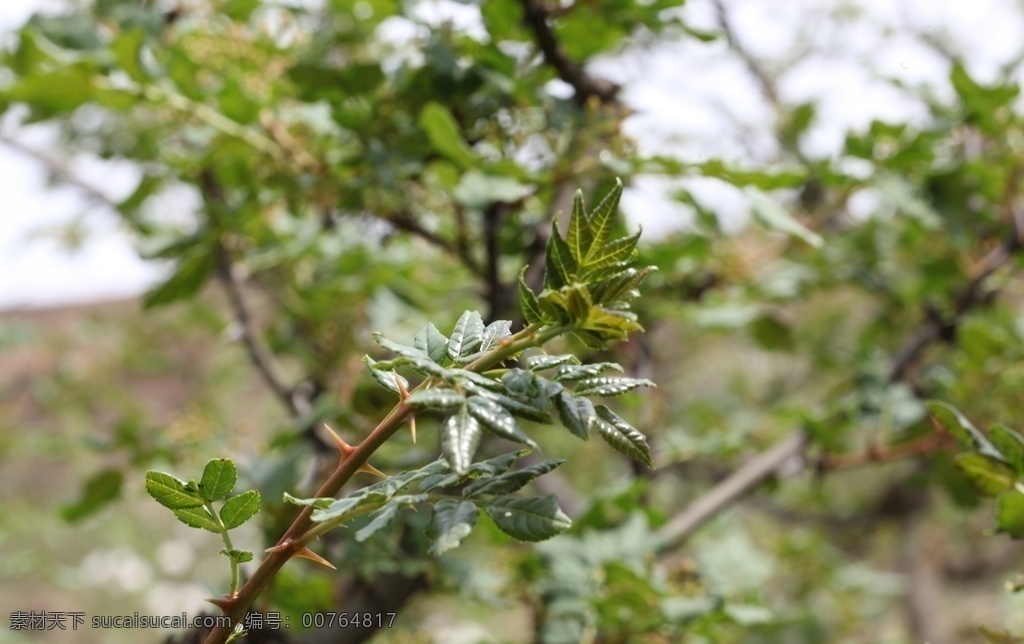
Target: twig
733, 487
536, 15
768, 463
764, 81
60, 171
407, 223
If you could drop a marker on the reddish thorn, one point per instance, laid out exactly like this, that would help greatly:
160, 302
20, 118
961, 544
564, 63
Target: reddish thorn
339, 442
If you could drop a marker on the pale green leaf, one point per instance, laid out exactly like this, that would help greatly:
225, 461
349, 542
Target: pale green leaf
510, 481
775, 217
171, 492
467, 336
218, 479
198, 518
497, 419
460, 436
431, 342
239, 509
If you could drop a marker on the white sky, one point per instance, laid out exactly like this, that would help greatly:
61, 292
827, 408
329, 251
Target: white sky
692, 99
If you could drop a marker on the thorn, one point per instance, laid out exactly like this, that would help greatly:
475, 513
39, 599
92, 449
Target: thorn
306, 553
402, 391
281, 547
340, 443
412, 427
369, 469
223, 604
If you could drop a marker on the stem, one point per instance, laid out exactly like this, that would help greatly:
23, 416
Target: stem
237, 604
226, 538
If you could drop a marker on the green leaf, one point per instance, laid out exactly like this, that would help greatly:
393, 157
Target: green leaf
338, 508
437, 398
218, 479
987, 475
239, 509
101, 488
1010, 444
775, 217
606, 386
190, 275
387, 379
622, 436
320, 503
467, 336
236, 555
497, 465
560, 269
495, 333
431, 342
575, 413
383, 517
460, 436
529, 519
957, 426
602, 221
403, 350
453, 521
510, 481
477, 190
543, 362
571, 372
619, 253
170, 492
528, 301
198, 518
619, 287
579, 238
1010, 514
497, 419
445, 136
127, 49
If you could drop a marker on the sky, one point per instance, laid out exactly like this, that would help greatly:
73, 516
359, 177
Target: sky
691, 99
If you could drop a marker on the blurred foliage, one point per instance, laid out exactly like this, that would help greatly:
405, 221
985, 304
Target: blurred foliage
368, 166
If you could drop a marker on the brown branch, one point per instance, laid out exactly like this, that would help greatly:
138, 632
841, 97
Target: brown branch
536, 15
214, 198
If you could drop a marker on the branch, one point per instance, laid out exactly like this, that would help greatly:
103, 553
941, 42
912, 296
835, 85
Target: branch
768, 463
213, 195
407, 223
535, 16
60, 171
764, 81
728, 491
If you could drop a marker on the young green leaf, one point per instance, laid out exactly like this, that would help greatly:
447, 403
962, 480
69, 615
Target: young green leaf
171, 492
198, 518
218, 479
467, 336
460, 436
239, 509
622, 436
528, 303
579, 238
236, 555
431, 342
572, 372
453, 521
496, 465
561, 268
602, 220
529, 519
1010, 514
495, 418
